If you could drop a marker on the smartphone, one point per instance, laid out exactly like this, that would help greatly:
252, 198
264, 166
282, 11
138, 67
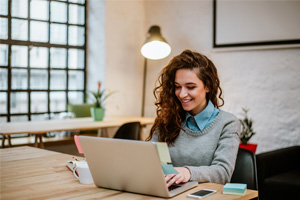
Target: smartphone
201, 193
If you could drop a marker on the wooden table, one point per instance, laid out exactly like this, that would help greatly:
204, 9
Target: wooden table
38, 128
33, 173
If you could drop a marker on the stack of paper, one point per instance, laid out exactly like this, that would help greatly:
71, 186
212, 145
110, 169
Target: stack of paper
235, 188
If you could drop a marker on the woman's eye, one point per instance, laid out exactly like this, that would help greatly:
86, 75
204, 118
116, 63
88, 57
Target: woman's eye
176, 86
190, 88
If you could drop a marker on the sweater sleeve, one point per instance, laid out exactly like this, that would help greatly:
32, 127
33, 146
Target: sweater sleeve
222, 166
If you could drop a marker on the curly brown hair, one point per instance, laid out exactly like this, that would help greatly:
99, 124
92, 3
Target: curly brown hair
169, 110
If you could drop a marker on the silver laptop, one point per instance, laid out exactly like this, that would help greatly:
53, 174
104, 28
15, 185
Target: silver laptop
128, 165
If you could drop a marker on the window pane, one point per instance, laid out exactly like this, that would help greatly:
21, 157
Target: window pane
76, 59
57, 101
3, 119
19, 8
3, 54
56, 24
58, 57
75, 97
58, 12
19, 56
3, 7
19, 29
52, 115
3, 79
39, 9
19, 79
38, 117
18, 118
38, 79
58, 34
76, 35
58, 80
39, 57
77, 1
76, 80
38, 31
39, 102
3, 28
3, 102
76, 14
19, 102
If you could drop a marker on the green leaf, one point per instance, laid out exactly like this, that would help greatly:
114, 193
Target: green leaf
246, 128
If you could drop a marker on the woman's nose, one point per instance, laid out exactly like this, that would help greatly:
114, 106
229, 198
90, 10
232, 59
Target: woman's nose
183, 93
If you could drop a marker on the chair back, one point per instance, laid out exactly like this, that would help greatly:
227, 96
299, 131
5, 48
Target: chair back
245, 169
130, 131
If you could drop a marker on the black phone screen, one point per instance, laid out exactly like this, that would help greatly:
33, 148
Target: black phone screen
202, 193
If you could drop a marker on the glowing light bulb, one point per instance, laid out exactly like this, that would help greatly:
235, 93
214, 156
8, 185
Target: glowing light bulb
156, 50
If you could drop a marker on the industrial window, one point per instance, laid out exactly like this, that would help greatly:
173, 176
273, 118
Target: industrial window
42, 57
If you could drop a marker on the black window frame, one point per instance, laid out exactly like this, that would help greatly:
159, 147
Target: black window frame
29, 44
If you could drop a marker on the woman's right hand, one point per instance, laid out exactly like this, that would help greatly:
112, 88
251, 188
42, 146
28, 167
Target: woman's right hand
184, 175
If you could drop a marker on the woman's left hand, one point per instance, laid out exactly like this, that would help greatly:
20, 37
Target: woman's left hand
184, 175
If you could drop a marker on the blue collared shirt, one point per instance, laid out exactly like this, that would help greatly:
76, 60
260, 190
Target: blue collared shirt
202, 119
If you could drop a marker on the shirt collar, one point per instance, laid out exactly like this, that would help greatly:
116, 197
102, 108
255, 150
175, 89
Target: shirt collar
203, 117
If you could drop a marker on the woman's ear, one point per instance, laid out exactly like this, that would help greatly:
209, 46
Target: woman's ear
206, 89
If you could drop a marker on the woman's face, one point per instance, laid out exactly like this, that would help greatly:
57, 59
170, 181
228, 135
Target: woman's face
190, 91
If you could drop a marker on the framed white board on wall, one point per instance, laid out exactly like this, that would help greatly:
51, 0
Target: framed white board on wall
241, 23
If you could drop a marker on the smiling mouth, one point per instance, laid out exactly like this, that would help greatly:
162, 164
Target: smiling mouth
186, 101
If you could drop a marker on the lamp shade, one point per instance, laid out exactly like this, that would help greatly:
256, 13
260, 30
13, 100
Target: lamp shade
155, 47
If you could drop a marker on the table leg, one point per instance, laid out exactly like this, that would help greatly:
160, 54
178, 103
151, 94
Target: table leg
99, 132
41, 142
102, 132
142, 132
9, 141
3, 141
38, 142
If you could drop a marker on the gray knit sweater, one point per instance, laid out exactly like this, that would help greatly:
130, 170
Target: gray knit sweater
210, 154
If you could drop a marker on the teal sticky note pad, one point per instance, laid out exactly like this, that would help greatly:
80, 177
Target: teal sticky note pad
235, 186
163, 152
169, 169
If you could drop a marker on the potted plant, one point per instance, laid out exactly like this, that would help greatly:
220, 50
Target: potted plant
98, 111
247, 132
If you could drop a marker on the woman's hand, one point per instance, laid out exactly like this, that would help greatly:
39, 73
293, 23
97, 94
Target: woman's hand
183, 176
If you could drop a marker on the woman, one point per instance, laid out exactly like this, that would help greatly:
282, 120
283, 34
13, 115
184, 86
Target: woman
202, 139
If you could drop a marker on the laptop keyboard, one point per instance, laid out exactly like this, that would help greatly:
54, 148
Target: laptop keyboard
173, 187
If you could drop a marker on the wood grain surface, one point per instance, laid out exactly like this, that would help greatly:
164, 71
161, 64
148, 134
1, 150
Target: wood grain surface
33, 173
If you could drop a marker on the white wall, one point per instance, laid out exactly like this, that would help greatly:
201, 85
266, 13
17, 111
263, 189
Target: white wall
96, 44
124, 62
265, 81
116, 33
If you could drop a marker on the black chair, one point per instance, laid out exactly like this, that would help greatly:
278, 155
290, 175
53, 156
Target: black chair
130, 131
245, 169
278, 173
